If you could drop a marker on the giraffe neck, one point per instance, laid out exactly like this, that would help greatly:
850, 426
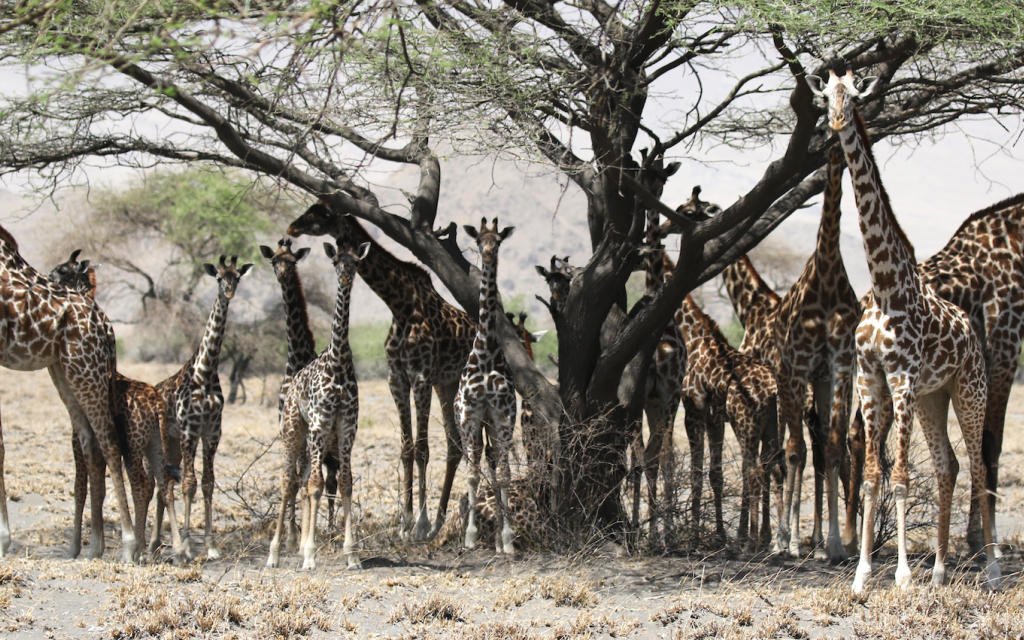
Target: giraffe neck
750, 296
827, 249
339, 346
655, 254
890, 255
489, 310
385, 274
301, 346
696, 326
207, 359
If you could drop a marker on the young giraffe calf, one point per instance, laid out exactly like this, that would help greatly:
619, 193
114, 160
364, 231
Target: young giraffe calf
487, 395
143, 429
723, 383
323, 403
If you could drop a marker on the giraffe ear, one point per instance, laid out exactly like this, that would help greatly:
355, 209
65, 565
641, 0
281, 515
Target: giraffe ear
330, 250
542, 271
210, 270
672, 167
301, 253
470, 231
363, 251
867, 85
817, 85
538, 335
83, 266
266, 251
506, 233
245, 269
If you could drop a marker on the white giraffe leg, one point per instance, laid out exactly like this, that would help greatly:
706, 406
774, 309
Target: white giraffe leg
472, 443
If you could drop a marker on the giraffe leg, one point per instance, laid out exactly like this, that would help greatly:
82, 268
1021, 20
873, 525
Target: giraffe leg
345, 441
97, 493
314, 489
932, 411
189, 443
301, 472
331, 468
446, 394
472, 443
649, 461
210, 444
5, 526
716, 437
421, 394
1001, 369
165, 499
81, 490
294, 438
140, 477
831, 399
165, 493
694, 421
667, 463
816, 430
969, 405
791, 395
400, 389
636, 451
871, 391
504, 421
903, 403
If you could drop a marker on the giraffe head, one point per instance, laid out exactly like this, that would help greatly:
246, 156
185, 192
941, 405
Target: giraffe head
840, 92
488, 239
696, 209
74, 275
318, 220
654, 173
283, 260
227, 275
559, 278
345, 256
528, 338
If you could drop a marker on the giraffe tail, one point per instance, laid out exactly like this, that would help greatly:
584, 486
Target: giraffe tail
121, 428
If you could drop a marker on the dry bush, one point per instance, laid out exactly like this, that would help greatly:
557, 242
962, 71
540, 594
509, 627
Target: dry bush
567, 592
433, 609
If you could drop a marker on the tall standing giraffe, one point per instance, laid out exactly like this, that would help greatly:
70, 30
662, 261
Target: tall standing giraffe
981, 270
814, 334
322, 405
427, 346
45, 325
301, 351
912, 345
194, 404
487, 396
144, 427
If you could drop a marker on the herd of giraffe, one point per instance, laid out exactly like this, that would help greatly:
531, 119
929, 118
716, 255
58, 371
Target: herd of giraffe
947, 329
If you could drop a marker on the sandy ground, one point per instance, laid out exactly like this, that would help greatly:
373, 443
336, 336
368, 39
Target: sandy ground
416, 591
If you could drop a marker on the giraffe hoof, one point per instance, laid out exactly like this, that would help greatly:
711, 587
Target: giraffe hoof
820, 554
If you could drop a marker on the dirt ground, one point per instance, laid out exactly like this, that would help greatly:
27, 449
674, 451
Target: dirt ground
417, 591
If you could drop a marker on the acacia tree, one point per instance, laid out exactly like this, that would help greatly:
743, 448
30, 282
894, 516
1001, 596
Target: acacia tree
314, 93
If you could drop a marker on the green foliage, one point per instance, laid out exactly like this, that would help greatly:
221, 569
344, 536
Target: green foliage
548, 346
203, 212
733, 332
367, 342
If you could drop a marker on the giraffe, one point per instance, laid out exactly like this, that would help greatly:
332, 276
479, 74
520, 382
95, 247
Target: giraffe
48, 326
757, 307
912, 346
487, 395
559, 278
981, 270
322, 405
535, 444
301, 351
664, 377
194, 404
427, 346
723, 383
144, 429
814, 334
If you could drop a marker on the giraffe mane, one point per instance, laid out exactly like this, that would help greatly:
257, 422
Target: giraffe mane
711, 326
6, 236
762, 286
862, 130
90, 274
300, 293
1012, 201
